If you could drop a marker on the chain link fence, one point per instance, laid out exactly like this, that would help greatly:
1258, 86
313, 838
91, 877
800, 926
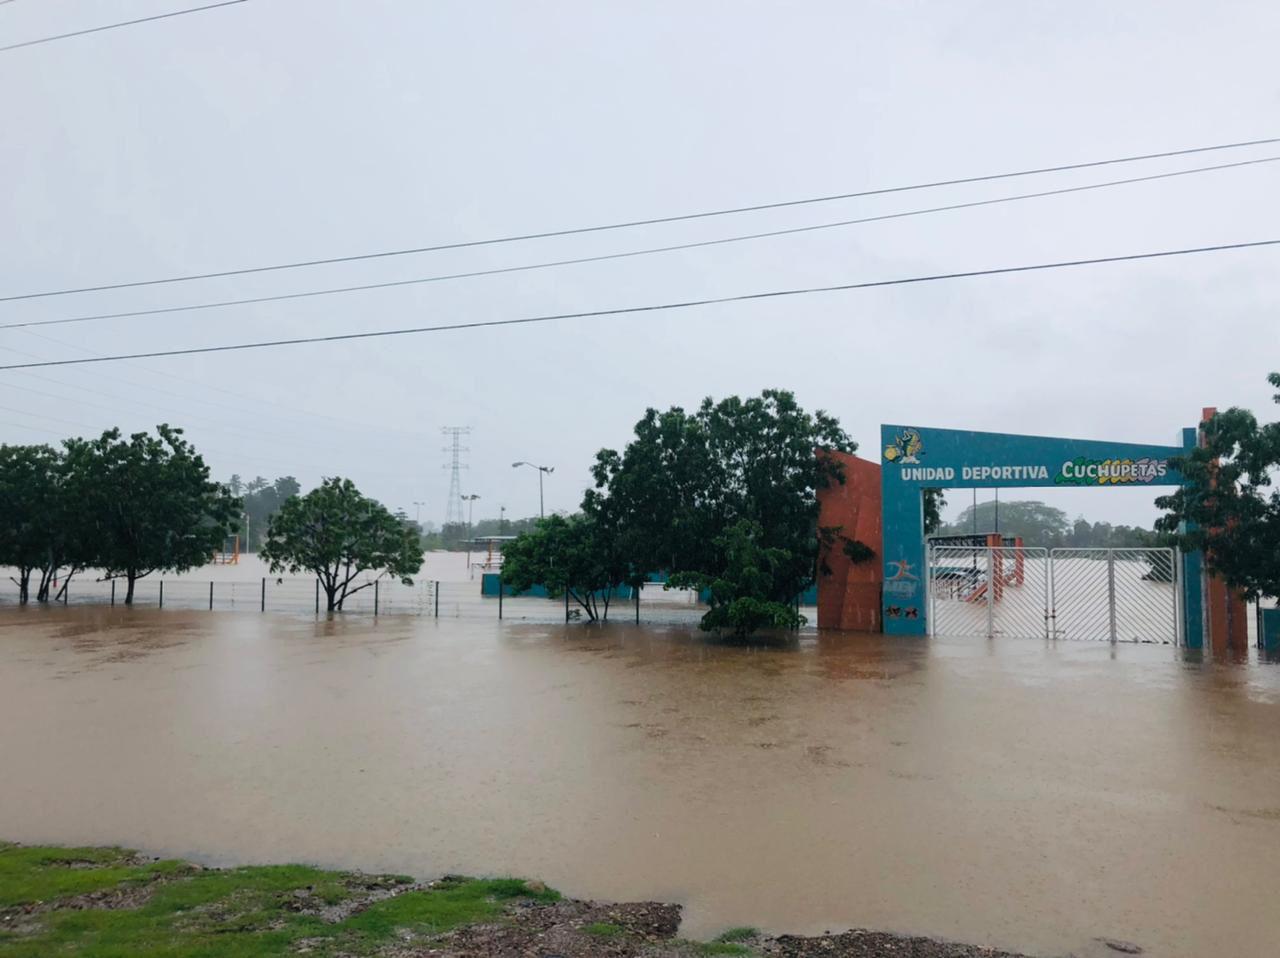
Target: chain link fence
466, 599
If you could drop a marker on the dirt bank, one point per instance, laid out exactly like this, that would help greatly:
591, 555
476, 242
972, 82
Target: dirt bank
92, 901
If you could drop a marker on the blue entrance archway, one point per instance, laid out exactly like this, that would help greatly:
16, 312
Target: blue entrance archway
917, 458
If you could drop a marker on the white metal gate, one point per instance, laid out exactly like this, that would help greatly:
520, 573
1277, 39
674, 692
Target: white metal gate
1118, 595
984, 590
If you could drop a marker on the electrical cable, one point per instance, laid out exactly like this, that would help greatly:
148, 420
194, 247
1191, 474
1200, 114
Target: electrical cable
657, 307
682, 217
122, 23
625, 254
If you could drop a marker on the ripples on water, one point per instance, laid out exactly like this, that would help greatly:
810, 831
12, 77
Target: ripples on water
1019, 793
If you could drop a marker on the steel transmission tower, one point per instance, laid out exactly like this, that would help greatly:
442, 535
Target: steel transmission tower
453, 505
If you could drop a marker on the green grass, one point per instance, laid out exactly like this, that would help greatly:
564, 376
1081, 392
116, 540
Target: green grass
743, 933
41, 874
722, 948
236, 913
604, 929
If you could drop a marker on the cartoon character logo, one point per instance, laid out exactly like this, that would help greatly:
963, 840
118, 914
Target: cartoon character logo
907, 447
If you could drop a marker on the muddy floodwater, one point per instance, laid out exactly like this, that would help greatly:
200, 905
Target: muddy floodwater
1010, 792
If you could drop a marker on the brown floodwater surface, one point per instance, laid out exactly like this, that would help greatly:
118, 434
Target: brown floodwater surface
1014, 793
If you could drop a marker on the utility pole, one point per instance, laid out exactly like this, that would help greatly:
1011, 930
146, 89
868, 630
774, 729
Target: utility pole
471, 504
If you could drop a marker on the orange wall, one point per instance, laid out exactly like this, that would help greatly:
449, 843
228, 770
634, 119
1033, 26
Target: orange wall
849, 598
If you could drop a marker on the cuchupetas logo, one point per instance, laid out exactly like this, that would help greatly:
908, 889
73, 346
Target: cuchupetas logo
1104, 472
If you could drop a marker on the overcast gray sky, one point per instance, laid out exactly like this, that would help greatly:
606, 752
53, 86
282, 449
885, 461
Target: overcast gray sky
278, 130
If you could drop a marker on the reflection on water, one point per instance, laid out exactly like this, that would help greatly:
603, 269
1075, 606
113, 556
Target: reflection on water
1013, 792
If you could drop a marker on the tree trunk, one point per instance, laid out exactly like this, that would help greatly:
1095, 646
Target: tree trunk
331, 595
132, 580
66, 581
24, 585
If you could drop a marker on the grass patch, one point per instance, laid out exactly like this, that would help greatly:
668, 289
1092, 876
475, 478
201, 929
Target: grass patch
722, 948
604, 929
204, 913
448, 905
43, 874
743, 933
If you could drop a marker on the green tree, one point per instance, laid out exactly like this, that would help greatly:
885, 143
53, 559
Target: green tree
576, 554
742, 595
41, 528
262, 499
154, 506
338, 534
674, 493
1038, 524
1228, 506
935, 500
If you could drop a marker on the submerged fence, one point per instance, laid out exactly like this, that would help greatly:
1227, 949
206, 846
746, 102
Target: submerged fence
650, 604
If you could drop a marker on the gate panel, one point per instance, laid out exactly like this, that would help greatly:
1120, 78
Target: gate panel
957, 578
1020, 591
1117, 595
1146, 596
1080, 607
977, 590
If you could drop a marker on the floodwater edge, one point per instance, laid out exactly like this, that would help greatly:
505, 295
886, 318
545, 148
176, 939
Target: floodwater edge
85, 901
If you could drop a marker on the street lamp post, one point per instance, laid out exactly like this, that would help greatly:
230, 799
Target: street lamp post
471, 504
417, 511
542, 471
502, 520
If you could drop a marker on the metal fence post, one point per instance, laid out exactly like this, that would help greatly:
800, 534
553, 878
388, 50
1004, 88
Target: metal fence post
566, 603
991, 593
437, 593
113, 591
1176, 575
636, 589
263, 607
162, 593
1111, 591
1050, 600
317, 596
66, 591
210, 596
375, 597
500, 590
930, 618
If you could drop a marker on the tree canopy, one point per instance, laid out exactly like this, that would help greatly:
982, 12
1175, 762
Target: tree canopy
726, 494
261, 500
41, 527
1228, 506
339, 535
1048, 526
128, 506
576, 554
154, 505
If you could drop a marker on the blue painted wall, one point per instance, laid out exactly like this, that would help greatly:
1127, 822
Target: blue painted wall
914, 458
489, 584
1269, 635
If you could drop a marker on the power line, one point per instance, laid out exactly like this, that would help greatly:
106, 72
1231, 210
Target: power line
301, 416
657, 307
682, 217
122, 23
626, 254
